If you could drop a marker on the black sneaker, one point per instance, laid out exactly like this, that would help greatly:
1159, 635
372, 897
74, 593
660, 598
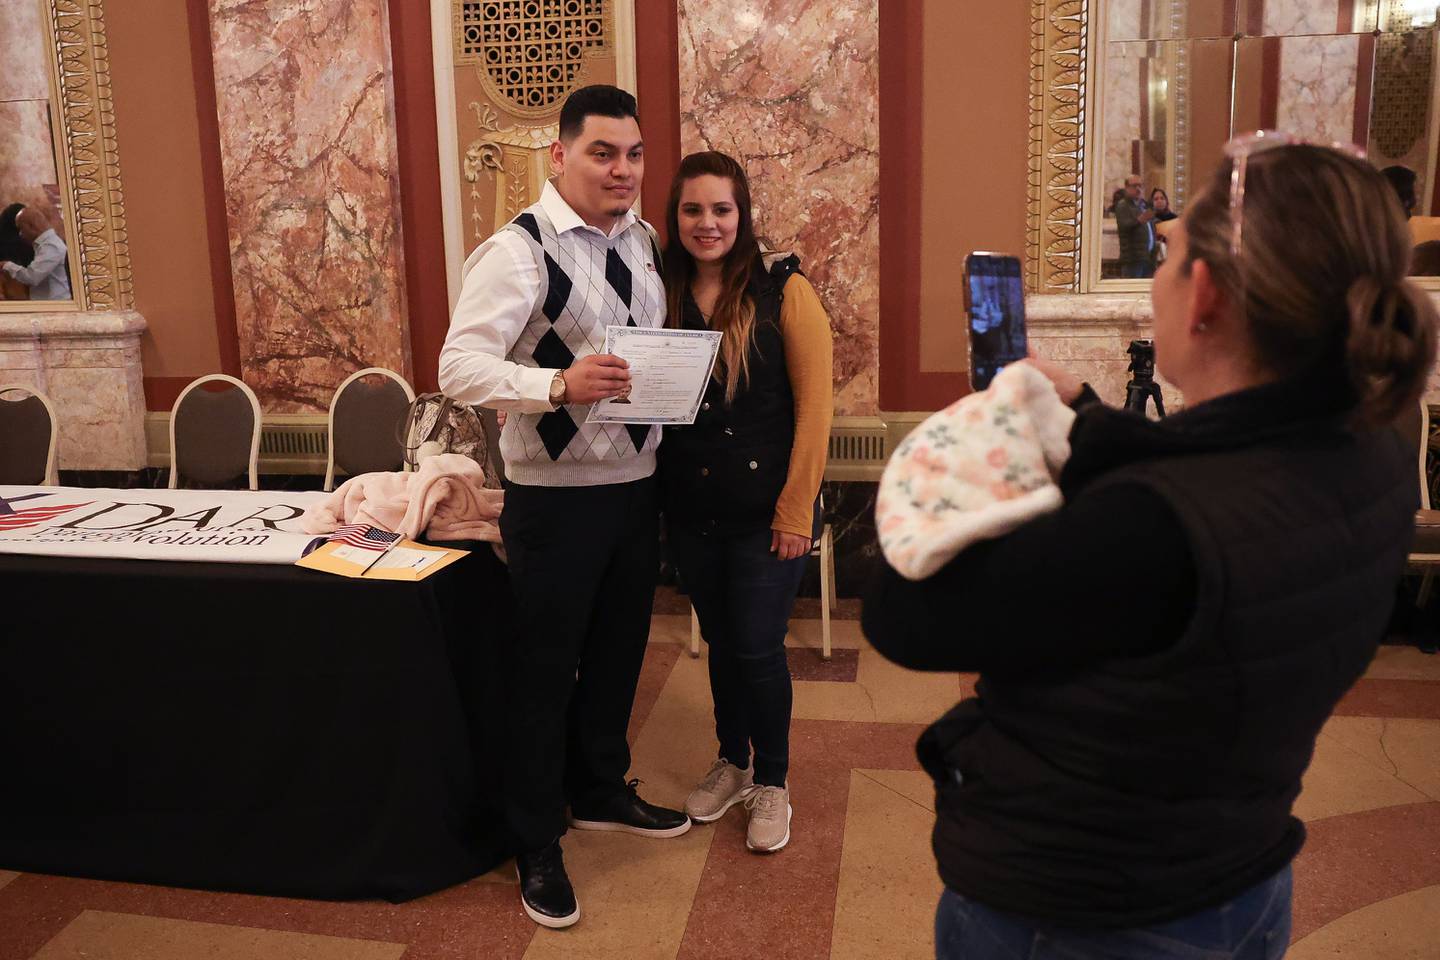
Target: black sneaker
627, 813
545, 890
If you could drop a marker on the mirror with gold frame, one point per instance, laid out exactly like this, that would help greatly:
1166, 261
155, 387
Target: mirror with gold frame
1132, 102
61, 211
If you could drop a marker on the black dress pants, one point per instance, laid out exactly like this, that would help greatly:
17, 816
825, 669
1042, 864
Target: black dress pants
583, 566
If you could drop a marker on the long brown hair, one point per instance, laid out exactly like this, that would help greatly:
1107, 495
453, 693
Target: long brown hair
734, 314
1321, 278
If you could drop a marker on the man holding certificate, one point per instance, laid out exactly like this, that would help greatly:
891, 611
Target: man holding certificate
580, 522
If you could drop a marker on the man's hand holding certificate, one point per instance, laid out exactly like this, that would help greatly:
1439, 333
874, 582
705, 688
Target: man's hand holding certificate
669, 371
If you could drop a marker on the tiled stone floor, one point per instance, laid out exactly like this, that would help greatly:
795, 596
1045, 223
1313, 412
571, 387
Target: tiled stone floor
857, 880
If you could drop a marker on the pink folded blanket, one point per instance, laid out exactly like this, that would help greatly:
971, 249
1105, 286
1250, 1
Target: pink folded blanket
974, 471
446, 498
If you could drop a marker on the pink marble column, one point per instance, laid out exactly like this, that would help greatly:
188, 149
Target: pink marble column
791, 90
305, 103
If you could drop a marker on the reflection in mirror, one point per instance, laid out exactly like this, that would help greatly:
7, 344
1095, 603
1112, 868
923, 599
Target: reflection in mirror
1167, 115
1352, 71
34, 261
1299, 18
1175, 20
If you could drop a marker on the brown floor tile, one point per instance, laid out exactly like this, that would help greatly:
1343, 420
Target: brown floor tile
1392, 698
1403, 663
1341, 780
98, 935
1406, 927
659, 661
782, 906
807, 665
845, 608
1358, 859
635, 893
1407, 749
671, 602
472, 919
844, 634
882, 692
885, 905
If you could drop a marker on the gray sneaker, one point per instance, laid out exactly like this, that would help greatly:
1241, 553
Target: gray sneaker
769, 819
723, 787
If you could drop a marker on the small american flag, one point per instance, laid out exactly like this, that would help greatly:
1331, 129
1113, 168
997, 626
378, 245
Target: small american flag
363, 536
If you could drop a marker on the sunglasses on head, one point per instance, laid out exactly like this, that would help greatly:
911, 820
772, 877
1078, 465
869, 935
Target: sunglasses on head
1247, 145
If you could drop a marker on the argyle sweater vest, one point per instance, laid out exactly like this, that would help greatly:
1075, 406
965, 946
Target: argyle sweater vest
587, 282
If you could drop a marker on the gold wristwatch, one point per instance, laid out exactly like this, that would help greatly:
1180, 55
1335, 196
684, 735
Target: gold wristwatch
557, 389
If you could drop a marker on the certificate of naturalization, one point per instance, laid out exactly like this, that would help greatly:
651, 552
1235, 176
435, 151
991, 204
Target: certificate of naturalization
669, 370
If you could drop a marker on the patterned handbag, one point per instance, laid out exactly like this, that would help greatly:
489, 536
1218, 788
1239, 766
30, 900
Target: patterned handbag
438, 424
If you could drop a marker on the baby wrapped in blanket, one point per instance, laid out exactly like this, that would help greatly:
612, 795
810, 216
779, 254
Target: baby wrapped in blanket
974, 471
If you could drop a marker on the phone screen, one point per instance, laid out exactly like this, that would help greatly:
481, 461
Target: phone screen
996, 299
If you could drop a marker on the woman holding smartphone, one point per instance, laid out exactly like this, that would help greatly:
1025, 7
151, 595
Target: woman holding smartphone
740, 486
1157, 657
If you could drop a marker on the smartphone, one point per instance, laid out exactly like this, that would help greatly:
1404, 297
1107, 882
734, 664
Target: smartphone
995, 307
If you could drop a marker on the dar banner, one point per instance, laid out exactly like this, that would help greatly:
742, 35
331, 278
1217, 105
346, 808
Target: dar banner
226, 526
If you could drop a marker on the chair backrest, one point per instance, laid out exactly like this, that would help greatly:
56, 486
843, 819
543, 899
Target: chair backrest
215, 436
1414, 429
28, 432
365, 423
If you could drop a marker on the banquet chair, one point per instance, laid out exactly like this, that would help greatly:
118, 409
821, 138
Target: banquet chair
1424, 555
215, 435
365, 423
28, 431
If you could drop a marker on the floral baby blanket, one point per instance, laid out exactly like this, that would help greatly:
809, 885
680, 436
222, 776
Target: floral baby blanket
974, 471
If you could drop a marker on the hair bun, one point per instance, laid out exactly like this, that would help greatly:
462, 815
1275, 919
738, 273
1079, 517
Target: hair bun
1390, 346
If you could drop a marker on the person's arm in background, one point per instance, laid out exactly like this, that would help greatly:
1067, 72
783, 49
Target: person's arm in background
1126, 214
48, 256
809, 357
1108, 575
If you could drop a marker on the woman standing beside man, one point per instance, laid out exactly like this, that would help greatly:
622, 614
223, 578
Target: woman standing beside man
739, 488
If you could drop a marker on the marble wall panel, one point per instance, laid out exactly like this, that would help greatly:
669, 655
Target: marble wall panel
305, 102
23, 51
1123, 63
1289, 18
27, 155
792, 92
1124, 20
1316, 97
89, 366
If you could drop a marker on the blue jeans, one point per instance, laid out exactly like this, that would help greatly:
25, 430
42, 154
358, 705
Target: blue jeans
1143, 270
1253, 926
743, 596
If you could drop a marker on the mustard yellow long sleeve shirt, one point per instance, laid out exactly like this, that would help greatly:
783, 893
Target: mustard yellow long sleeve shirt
809, 358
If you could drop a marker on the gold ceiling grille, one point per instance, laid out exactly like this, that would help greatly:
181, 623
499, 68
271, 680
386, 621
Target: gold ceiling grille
530, 53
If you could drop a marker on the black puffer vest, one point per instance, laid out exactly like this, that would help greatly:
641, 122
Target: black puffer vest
1143, 789
724, 473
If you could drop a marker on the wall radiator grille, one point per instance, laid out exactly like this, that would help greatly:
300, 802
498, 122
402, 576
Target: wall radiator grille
297, 444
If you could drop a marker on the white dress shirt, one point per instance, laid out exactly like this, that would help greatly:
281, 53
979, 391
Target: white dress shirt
46, 276
499, 292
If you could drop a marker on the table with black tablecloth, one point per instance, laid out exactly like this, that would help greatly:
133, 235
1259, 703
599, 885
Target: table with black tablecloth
268, 729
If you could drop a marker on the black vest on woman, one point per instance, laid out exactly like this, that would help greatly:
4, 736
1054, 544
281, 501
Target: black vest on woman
724, 473
1142, 789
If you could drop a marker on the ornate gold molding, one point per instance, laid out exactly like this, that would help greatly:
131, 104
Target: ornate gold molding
1057, 143
515, 158
88, 147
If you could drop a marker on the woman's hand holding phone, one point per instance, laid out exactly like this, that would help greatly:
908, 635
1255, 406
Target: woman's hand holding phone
1066, 383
